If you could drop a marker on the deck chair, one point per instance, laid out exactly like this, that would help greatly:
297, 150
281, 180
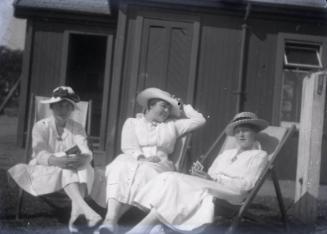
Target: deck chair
38, 111
272, 139
179, 155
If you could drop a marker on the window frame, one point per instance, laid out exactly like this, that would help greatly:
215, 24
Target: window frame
301, 65
282, 40
107, 79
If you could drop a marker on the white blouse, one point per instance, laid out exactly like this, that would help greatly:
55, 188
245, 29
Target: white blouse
239, 172
141, 137
46, 141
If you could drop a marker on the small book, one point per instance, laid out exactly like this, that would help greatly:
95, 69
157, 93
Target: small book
73, 150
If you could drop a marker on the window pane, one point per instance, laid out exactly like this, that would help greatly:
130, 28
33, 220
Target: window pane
291, 95
302, 54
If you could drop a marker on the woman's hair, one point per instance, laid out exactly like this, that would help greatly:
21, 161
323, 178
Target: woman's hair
152, 102
247, 125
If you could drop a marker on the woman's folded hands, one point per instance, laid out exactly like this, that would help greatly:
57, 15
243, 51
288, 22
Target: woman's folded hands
72, 161
154, 159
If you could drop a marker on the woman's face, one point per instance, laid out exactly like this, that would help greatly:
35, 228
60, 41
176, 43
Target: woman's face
62, 110
160, 110
245, 136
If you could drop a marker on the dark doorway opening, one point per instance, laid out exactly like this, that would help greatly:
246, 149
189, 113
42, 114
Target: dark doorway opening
85, 72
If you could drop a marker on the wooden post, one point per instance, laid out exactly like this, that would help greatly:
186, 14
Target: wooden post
309, 149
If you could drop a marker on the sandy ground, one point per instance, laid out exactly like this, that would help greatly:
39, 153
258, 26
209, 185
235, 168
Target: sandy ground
38, 217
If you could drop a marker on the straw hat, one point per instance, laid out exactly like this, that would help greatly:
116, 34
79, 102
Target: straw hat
151, 93
245, 118
62, 93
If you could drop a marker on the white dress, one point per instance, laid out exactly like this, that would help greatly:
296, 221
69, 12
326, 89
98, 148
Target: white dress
185, 202
126, 175
38, 177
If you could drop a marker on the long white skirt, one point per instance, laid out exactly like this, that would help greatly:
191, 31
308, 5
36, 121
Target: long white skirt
39, 180
183, 202
126, 176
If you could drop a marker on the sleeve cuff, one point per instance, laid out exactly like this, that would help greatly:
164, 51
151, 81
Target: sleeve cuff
44, 159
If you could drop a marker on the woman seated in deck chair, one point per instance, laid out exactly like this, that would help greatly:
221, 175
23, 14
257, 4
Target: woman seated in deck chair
147, 142
185, 202
51, 167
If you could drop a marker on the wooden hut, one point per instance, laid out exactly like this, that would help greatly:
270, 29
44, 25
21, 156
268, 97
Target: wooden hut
221, 56
68, 42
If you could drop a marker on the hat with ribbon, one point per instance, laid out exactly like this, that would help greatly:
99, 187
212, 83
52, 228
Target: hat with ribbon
248, 118
155, 93
62, 93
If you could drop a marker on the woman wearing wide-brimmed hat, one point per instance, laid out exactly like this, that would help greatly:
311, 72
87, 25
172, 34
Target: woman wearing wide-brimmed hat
147, 142
51, 169
185, 202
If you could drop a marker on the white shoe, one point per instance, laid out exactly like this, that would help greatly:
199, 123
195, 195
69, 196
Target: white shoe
158, 229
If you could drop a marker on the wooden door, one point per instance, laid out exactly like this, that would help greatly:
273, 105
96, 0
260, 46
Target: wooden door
86, 67
167, 52
157, 51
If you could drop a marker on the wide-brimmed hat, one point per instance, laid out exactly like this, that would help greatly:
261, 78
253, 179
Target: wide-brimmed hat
151, 93
245, 118
63, 93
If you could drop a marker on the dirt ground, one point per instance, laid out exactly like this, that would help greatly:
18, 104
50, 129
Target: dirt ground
39, 217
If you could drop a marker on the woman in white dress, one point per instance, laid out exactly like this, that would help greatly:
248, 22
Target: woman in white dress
185, 202
147, 142
51, 168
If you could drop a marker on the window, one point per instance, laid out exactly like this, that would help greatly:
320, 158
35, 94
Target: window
300, 60
299, 55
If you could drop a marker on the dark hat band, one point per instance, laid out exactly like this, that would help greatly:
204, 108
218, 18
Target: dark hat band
63, 93
241, 118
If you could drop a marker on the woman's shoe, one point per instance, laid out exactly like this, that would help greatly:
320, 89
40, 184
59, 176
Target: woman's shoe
75, 222
72, 227
94, 221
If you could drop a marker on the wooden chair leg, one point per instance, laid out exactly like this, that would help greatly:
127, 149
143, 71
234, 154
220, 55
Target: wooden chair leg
19, 204
280, 199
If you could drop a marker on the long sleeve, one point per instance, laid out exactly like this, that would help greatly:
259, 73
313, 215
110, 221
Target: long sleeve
245, 183
40, 144
194, 120
129, 141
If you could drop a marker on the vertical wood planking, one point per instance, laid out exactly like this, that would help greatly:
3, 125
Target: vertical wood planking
106, 90
25, 83
310, 142
111, 142
217, 77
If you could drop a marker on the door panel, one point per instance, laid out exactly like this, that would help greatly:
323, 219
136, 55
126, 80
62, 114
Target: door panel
165, 56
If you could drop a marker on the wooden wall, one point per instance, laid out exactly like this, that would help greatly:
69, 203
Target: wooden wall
43, 61
217, 68
217, 77
211, 68
262, 76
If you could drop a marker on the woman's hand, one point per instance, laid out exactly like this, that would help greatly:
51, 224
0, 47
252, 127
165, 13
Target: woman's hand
80, 160
180, 102
62, 162
197, 166
201, 174
154, 159
71, 161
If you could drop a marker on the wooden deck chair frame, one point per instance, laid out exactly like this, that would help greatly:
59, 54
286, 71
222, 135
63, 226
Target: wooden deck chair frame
32, 118
179, 155
221, 144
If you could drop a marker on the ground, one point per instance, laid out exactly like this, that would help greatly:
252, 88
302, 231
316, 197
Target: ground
39, 217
